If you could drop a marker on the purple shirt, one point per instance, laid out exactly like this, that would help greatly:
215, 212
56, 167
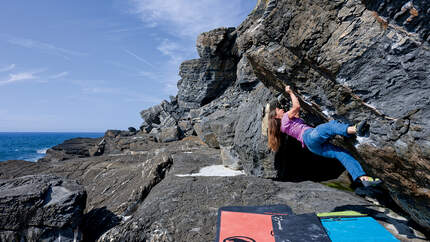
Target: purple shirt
294, 127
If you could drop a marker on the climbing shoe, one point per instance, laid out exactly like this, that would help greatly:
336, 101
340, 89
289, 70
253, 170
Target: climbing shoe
361, 128
371, 182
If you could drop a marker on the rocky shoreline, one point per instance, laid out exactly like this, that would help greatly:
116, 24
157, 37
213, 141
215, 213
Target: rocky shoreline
348, 60
149, 193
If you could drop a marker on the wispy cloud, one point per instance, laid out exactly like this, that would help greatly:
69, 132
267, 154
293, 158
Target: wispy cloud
182, 21
100, 90
189, 18
122, 30
22, 76
59, 75
138, 58
175, 51
33, 44
143, 99
7, 68
122, 94
149, 74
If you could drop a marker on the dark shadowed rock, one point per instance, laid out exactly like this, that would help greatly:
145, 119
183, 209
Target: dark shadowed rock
40, 208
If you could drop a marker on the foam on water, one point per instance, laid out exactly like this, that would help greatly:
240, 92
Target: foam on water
42, 151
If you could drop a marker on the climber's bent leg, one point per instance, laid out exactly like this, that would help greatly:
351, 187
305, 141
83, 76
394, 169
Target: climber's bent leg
352, 166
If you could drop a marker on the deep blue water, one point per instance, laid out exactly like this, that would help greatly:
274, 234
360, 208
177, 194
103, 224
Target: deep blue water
32, 146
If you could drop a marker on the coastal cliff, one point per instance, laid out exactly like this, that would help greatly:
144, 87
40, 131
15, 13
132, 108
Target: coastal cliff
347, 60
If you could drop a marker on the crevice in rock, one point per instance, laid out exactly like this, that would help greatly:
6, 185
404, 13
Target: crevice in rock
161, 171
98, 221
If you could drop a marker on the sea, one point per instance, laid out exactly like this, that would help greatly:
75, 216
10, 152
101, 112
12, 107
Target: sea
31, 146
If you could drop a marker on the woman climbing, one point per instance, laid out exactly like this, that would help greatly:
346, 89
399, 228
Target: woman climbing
317, 139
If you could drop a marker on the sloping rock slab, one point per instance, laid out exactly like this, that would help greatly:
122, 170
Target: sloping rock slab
184, 208
40, 208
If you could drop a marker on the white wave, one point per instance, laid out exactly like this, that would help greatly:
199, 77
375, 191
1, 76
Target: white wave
42, 151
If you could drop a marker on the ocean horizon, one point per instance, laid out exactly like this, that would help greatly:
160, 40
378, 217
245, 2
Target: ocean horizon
31, 146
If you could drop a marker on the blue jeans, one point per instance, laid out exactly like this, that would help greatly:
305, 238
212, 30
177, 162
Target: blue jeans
316, 139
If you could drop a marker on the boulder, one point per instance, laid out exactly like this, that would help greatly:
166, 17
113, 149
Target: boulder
72, 148
41, 208
169, 134
353, 60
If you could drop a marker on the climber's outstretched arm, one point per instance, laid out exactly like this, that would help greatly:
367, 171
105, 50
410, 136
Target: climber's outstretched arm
295, 109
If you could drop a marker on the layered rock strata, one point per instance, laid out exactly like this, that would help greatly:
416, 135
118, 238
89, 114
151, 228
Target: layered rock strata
347, 60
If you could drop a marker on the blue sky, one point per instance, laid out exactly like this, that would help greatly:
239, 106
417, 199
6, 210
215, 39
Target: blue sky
94, 65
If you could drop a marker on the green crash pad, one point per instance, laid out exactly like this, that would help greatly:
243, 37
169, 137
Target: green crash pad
341, 214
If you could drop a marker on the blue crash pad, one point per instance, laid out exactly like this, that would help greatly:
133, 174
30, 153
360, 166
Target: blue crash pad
356, 229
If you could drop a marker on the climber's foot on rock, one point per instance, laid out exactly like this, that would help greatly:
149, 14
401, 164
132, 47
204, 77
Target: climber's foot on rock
361, 128
368, 181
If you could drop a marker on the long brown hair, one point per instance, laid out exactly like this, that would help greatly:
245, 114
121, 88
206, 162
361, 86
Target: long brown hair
274, 136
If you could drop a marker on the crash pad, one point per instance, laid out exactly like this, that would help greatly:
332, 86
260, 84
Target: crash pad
343, 214
299, 228
248, 223
356, 229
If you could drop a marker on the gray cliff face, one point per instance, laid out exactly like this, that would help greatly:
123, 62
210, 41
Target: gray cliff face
41, 208
348, 60
351, 61
206, 78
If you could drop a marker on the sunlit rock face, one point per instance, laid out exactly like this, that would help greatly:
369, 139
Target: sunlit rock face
347, 59
354, 60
